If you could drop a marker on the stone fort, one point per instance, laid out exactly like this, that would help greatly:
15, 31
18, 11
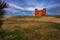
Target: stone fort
40, 12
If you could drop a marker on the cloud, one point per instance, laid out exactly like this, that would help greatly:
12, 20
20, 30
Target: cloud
42, 5
54, 10
11, 10
52, 6
27, 6
22, 8
38, 6
15, 6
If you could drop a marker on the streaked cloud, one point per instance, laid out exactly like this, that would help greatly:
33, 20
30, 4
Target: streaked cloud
21, 6
15, 6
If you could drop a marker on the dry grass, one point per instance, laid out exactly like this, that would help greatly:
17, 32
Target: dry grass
33, 28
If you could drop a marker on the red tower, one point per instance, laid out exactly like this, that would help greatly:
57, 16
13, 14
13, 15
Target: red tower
40, 12
44, 12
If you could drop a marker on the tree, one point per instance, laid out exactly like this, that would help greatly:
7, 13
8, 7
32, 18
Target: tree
2, 12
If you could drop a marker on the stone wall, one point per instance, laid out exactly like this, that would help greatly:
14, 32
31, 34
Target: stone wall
40, 12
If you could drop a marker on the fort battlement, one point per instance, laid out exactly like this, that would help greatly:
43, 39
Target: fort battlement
40, 12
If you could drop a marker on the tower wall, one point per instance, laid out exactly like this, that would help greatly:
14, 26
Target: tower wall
35, 12
44, 11
40, 12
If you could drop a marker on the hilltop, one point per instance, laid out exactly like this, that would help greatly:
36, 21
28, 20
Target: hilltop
34, 28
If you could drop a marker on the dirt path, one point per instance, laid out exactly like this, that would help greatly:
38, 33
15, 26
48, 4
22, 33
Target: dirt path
43, 19
50, 19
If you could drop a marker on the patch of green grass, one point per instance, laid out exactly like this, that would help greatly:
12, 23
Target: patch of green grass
28, 30
10, 22
28, 16
37, 35
53, 35
17, 27
57, 16
17, 34
2, 33
21, 21
53, 25
31, 34
12, 35
30, 21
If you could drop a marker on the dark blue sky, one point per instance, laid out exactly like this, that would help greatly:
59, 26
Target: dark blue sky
26, 7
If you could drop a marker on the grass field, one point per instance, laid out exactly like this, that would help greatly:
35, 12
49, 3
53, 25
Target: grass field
31, 28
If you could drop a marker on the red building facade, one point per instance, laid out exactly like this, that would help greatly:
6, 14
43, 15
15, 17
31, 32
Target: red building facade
40, 12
